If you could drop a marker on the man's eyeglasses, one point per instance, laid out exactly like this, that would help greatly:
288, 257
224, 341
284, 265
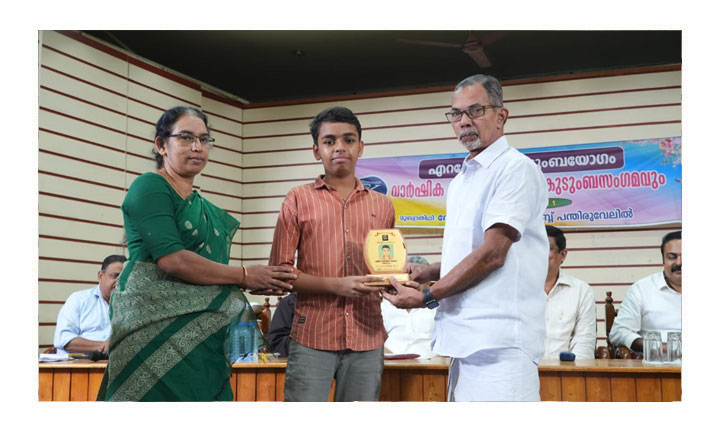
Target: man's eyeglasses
188, 139
473, 112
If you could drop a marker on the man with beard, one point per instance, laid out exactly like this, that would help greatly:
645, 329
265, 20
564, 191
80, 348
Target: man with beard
490, 281
652, 303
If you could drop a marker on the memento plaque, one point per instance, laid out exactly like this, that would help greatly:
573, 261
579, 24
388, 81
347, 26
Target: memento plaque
386, 256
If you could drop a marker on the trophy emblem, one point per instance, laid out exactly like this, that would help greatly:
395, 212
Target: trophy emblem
386, 256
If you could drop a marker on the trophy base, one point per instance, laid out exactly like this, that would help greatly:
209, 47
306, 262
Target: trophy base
401, 277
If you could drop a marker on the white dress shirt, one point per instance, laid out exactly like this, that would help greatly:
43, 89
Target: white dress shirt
649, 305
409, 331
85, 314
507, 308
570, 319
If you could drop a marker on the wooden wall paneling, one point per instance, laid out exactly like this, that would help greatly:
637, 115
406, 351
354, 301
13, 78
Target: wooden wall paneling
550, 386
648, 388
573, 387
234, 377
45, 389
671, 388
266, 385
435, 386
61, 385
622, 388
411, 386
390, 386
597, 388
246, 385
280, 385
79, 385
95, 377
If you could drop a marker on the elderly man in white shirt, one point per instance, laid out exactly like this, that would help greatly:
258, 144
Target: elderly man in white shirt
83, 324
653, 303
570, 321
491, 314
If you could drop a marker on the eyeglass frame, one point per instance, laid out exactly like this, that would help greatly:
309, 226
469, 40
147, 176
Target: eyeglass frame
448, 115
210, 140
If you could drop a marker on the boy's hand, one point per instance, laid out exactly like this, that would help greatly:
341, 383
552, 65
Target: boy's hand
354, 286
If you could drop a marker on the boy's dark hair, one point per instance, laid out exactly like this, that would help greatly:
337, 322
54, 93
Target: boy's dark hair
334, 115
675, 235
111, 259
558, 235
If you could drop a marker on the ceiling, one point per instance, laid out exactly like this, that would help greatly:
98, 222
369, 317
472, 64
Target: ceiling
277, 65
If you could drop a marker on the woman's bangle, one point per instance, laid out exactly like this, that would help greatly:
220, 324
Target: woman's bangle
242, 282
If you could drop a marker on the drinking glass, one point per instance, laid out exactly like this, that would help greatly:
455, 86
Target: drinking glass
674, 347
652, 348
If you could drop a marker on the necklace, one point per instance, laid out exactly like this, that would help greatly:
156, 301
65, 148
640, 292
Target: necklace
173, 185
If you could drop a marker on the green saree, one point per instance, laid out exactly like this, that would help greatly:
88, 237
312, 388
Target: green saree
169, 337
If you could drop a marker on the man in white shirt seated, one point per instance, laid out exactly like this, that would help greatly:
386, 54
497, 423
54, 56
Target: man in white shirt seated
654, 302
570, 321
410, 331
83, 324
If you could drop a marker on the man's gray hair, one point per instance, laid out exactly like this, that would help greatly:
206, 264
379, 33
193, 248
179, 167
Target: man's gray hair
491, 84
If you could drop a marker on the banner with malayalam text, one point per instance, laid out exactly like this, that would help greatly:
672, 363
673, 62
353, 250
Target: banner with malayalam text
623, 183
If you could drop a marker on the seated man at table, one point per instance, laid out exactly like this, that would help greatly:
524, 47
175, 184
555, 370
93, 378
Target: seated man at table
278, 335
83, 324
654, 302
410, 331
570, 321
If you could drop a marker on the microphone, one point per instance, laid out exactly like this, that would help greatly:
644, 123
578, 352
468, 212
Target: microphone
91, 355
97, 355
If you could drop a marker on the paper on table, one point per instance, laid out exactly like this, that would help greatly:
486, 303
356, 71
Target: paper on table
53, 357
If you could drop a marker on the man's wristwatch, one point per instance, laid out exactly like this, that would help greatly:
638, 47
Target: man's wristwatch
429, 300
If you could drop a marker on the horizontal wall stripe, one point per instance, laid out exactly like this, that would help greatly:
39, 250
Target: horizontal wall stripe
431, 90
92, 84
43, 258
222, 178
220, 98
124, 96
130, 59
214, 114
358, 113
506, 101
87, 102
50, 302
452, 138
82, 120
86, 161
595, 127
507, 133
83, 61
78, 199
75, 240
81, 180
69, 281
80, 220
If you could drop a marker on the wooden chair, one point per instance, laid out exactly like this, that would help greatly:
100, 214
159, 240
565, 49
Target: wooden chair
51, 350
612, 351
264, 317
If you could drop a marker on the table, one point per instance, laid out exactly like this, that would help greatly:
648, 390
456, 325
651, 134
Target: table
408, 380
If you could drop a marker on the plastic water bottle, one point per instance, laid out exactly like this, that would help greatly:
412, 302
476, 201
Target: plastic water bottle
251, 347
238, 341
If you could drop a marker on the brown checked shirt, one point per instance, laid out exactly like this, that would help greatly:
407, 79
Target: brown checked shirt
329, 237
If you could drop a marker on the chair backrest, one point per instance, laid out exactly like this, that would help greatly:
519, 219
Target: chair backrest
264, 317
610, 314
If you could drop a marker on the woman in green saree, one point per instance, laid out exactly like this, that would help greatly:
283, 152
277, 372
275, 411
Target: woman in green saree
177, 295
